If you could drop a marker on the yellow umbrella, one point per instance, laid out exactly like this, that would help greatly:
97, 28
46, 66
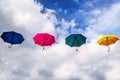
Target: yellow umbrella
107, 40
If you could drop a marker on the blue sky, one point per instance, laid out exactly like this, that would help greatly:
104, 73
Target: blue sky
28, 61
66, 9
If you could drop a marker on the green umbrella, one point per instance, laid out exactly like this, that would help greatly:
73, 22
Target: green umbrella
75, 40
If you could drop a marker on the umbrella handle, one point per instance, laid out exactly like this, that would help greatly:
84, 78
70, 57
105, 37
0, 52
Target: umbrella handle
43, 47
76, 49
10, 46
108, 49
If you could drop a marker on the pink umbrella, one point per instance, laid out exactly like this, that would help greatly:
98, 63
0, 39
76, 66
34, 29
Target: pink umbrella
44, 39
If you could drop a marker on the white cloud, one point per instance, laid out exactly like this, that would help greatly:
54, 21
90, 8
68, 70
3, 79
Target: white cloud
65, 71
26, 14
107, 21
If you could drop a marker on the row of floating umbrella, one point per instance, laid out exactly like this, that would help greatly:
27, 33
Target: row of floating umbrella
45, 39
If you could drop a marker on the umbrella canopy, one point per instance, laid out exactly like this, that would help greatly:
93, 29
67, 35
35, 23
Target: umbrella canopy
12, 37
75, 40
107, 40
44, 39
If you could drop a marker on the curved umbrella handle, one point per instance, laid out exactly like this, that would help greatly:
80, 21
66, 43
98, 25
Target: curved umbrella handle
10, 46
76, 49
108, 49
43, 47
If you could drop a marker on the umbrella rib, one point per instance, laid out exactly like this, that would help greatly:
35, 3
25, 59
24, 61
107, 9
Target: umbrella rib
49, 41
44, 39
36, 42
107, 41
112, 40
12, 42
73, 42
77, 42
6, 39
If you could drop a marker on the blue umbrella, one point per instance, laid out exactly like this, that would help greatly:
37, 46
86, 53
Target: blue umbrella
12, 38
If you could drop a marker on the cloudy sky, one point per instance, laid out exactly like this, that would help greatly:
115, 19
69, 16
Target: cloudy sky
92, 18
